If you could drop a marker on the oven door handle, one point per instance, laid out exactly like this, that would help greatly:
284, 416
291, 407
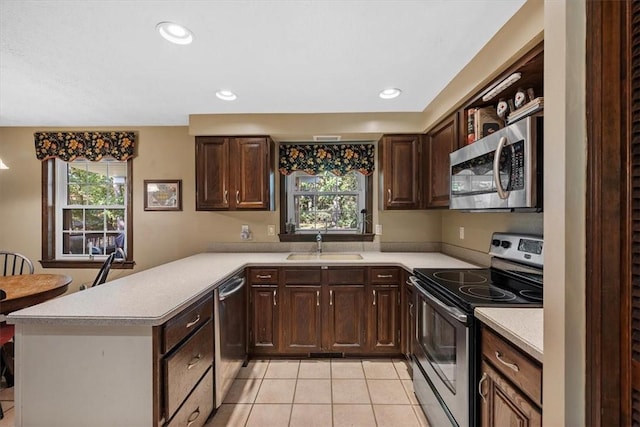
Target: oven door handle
451, 311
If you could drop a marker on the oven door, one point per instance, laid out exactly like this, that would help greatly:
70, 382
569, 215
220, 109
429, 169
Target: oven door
441, 359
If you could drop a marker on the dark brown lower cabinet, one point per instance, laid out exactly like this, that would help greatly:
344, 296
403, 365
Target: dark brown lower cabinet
264, 322
384, 327
302, 319
505, 405
346, 318
303, 310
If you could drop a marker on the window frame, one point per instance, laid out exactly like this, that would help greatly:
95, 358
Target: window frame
292, 193
49, 191
329, 236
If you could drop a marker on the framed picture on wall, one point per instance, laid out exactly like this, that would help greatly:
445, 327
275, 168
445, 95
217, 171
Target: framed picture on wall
162, 194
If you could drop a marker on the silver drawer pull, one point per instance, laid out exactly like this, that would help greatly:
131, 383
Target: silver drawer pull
385, 276
266, 276
505, 363
482, 380
194, 416
193, 362
190, 324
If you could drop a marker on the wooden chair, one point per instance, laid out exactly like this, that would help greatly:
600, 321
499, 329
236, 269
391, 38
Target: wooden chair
14, 263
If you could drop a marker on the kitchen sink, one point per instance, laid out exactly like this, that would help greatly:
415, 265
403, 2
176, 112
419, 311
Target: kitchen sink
327, 256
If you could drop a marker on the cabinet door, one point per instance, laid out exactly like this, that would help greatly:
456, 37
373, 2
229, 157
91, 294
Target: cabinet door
302, 319
212, 173
252, 173
502, 404
384, 325
264, 326
346, 318
440, 141
400, 186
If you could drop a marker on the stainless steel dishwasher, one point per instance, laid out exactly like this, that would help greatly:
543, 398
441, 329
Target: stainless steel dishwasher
230, 323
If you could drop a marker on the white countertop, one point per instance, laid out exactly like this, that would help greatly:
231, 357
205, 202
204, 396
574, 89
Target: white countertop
152, 296
522, 326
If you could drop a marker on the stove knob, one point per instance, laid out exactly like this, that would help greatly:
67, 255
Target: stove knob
506, 244
495, 242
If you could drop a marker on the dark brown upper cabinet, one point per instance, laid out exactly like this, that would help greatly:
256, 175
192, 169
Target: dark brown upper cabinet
234, 173
439, 142
400, 171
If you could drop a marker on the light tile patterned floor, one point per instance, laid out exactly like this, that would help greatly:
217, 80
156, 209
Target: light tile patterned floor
310, 392
321, 392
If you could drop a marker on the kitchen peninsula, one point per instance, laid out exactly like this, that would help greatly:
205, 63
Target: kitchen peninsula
80, 357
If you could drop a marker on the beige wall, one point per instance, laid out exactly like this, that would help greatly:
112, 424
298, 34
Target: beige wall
159, 237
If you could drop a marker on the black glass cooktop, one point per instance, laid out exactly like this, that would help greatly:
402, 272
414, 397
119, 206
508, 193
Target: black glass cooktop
469, 288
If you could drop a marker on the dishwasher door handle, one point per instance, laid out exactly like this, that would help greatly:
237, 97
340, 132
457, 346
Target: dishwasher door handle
231, 288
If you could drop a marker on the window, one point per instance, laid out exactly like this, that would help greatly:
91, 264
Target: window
90, 208
86, 212
325, 202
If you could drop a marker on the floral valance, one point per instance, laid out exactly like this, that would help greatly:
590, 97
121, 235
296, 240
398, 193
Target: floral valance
69, 146
339, 159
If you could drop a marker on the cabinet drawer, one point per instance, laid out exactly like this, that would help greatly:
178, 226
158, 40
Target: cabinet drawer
302, 276
176, 329
389, 275
186, 366
263, 275
198, 406
346, 276
513, 364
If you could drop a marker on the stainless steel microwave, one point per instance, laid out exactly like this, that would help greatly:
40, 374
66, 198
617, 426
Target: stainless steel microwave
502, 171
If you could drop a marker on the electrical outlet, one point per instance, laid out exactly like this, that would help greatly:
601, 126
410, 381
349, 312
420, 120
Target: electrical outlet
271, 230
461, 233
378, 229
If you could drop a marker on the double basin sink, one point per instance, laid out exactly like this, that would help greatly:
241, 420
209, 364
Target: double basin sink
323, 256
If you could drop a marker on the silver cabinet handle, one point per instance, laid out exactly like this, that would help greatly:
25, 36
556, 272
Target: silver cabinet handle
389, 195
193, 417
385, 276
502, 193
374, 297
193, 362
318, 298
266, 276
190, 324
482, 380
330, 297
505, 363
237, 197
275, 294
226, 196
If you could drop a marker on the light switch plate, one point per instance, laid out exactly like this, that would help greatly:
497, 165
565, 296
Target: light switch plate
271, 230
378, 229
461, 233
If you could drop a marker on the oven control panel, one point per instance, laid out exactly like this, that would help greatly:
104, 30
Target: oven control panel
525, 248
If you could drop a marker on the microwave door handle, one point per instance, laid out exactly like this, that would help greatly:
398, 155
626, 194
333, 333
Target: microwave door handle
502, 193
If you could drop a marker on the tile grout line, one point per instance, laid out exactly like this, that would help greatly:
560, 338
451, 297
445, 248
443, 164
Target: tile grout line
254, 400
295, 388
366, 381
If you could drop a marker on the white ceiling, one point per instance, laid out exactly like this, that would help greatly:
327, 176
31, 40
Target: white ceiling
97, 63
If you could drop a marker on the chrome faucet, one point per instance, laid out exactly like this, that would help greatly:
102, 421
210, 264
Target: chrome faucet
319, 240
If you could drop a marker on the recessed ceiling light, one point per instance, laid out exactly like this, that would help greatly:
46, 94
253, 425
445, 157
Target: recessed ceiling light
175, 33
226, 95
390, 93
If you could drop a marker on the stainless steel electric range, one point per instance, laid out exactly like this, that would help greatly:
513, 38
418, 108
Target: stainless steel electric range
446, 353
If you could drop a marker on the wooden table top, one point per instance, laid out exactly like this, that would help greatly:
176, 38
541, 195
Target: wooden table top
30, 289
